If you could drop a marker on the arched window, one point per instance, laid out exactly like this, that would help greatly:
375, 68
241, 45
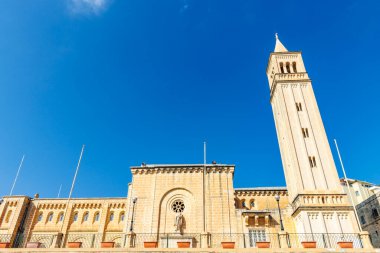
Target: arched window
50, 217
60, 217
111, 216
75, 216
288, 67
243, 205
39, 217
121, 219
85, 217
8, 218
294, 67
96, 217
252, 203
282, 67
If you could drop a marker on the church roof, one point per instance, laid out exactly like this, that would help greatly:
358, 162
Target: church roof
279, 47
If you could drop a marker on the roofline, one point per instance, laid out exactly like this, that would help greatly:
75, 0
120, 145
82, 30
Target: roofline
354, 181
71, 199
274, 188
180, 165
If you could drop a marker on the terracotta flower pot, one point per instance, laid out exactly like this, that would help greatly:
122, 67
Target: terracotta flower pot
309, 244
74, 244
263, 244
107, 244
33, 244
346, 245
5, 245
228, 245
150, 244
183, 244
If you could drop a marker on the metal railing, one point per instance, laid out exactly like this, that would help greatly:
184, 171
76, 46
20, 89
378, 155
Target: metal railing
323, 240
252, 239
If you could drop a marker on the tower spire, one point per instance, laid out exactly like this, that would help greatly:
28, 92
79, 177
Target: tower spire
279, 47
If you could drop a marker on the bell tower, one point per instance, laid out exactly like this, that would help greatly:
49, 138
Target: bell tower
318, 201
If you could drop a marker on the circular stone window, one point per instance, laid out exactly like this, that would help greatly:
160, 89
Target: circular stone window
178, 206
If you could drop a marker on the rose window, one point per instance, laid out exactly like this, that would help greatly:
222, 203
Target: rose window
178, 206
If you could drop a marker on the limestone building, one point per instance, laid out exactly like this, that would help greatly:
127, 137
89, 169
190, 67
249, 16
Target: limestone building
196, 205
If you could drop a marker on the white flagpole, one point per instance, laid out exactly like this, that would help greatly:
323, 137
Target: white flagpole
72, 185
204, 153
348, 186
59, 191
18, 171
204, 187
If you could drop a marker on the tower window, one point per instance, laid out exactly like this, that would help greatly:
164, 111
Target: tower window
288, 67
252, 203
305, 132
282, 67
375, 213
294, 67
362, 219
312, 161
299, 107
111, 216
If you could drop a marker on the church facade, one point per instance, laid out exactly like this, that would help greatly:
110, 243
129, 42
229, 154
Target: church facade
197, 206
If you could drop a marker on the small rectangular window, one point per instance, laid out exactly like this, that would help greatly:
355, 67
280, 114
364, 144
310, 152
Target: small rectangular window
305, 133
357, 193
299, 107
312, 161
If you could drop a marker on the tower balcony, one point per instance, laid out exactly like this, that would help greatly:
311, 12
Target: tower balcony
286, 77
316, 201
290, 76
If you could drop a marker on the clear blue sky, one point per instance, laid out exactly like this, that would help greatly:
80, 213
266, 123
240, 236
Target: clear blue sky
149, 81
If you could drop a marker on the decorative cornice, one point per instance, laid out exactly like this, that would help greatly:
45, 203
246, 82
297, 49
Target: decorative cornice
260, 192
182, 169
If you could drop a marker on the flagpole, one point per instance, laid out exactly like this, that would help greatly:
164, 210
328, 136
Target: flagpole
348, 186
72, 185
18, 171
204, 188
59, 191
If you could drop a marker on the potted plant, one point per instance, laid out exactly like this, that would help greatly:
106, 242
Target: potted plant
74, 244
33, 244
107, 244
150, 244
263, 244
309, 244
346, 245
183, 244
5, 245
228, 245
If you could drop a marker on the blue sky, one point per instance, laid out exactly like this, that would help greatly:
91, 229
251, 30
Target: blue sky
149, 81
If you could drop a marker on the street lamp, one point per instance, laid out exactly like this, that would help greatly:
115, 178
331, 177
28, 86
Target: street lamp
133, 214
277, 197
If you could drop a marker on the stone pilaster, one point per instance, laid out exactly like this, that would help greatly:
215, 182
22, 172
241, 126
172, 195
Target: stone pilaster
364, 236
283, 242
